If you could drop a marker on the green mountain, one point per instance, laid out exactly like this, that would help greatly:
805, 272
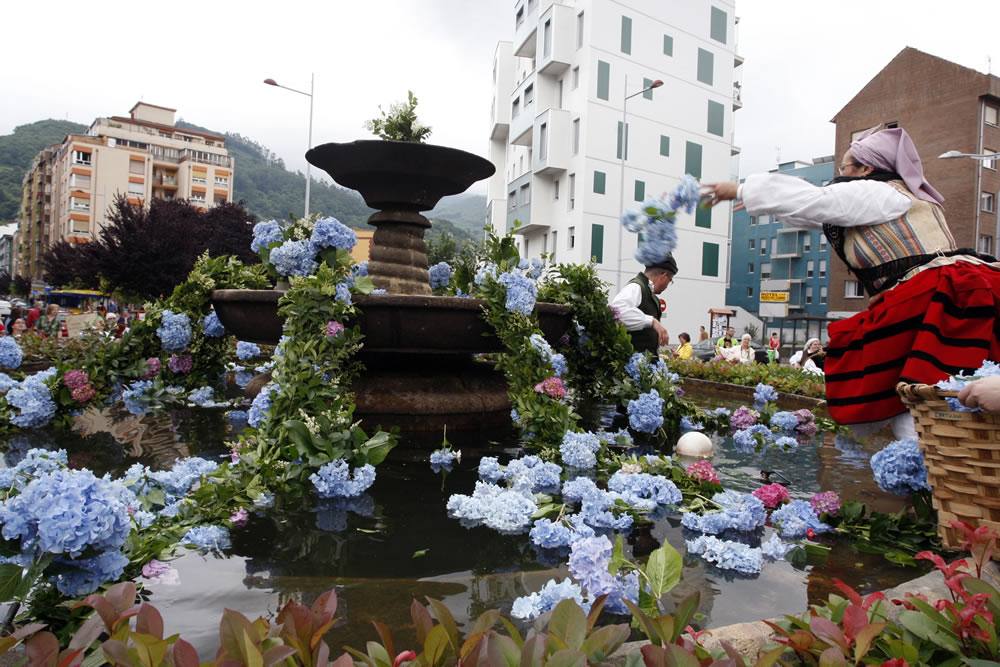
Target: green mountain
18, 149
261, 181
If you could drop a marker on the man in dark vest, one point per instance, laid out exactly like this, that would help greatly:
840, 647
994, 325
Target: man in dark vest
639, 308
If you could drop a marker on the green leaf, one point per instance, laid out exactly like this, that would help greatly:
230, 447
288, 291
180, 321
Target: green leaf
447, 621
419, 553
10, 581
685, 611
377, 448
435, 645
663, 569
617, 555
569, 624
604, 641
567, 658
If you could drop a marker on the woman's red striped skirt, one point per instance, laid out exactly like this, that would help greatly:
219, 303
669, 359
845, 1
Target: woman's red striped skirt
943, 321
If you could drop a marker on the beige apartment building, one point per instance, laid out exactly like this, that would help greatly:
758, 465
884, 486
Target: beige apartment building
35, 221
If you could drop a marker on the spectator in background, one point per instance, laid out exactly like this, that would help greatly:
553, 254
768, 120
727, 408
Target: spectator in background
702, 334
745, 353
684, 350
34, 314
48, 324
773, 347
18, 327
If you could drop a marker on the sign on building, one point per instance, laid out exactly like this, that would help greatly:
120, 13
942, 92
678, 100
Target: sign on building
774, 297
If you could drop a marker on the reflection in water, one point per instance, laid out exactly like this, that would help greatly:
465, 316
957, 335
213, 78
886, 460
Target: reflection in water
397, 543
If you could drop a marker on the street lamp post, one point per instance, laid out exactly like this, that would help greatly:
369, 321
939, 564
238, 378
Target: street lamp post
621, 191
981, 157
312, 84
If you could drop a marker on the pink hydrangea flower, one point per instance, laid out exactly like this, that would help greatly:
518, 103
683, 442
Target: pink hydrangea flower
805, 416
180, 363
155, 568
703, 471
827, 502
75, 378
84, 393
743, 418
153, 366
772, 495
616, 314
239, 517
552, 386
807, 429
334, 328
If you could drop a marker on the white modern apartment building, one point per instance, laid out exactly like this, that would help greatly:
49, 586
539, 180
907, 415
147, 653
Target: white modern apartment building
566, 165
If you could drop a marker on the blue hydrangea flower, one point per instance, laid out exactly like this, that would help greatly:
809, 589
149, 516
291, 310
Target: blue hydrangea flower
440, 274
212, 326
774, 548
763, 394
588, 564
659, 239
36, 462
266, 234
293, 258
32, 397
208, 538
202, 397
643, 491
741, 512
579, 488
579, 450
686, 195
174, 483
174, 331
552, 593
750, 439
6, 382
10, 352
504, 510
539, 474
785, 421
487, 272
334, 479
899, 468
242, 377
261, 405
331, 233
246, 351
645, 414
794, 519
599, 511
331, 513
443, 459
786, 443
136, 398
688, 425
521, 292
534, 269
490, 469
85, 575
343, 293
555, 535
727, 555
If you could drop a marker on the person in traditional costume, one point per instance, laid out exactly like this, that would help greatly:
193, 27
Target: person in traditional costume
934, 308
638, 305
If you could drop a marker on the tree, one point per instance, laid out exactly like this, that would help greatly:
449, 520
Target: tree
5, 282
68, 264
21, 286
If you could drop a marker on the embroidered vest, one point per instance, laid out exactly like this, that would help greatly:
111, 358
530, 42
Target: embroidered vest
646, 340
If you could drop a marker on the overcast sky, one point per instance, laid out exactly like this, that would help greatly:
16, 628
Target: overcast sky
804, 60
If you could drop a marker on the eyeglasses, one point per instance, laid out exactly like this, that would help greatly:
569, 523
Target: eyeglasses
841, 168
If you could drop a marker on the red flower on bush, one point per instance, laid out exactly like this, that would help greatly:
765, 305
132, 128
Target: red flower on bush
551, 386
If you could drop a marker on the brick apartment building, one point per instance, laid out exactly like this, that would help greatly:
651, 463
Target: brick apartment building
943, 106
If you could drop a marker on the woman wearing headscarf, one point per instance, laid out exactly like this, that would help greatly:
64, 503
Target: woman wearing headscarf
934, 308
807, 357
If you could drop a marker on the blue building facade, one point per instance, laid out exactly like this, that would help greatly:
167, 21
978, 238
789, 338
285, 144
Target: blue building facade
791, 265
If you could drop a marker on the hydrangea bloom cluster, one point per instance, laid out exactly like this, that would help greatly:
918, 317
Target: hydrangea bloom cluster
688, 425
85, 575
726, 554
266, 234
490, 469
33, 400
645, 414
181, 364
486, 272
440, 275
153, 367
240, 517
743, 418
764, 394
796, 519
443, 458
532, 268
579, 450
597, 507
588, 564
35, 463
203, 397
753, 438
334, 479
639, 362
334, 329
958, 382
557, 534
786, 443
331, 233
10, 352
772, 495
84, 393
174, 331
539, 474
504, 510
643, 491
703, 471
6, 382
75, 378
68, 512
521, 292
552, 387
552, 593
293, 258
549, 356
261, 405
175, 483
741, 512
332, 513
246, 351
212, 326
208, 538
774, 548
826, 502
136, 398
343, 294
784, 421
899, 468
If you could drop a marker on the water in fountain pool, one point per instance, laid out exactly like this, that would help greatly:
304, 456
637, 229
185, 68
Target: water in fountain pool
397, 543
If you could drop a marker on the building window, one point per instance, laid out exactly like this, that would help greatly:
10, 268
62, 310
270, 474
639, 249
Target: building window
515, 107
985, 244
543, 136
822, 242
525, 195
529, 95
136, 167
622, 140
198, 197
136, 189
753, 220
992, 162
763, 247
710, 259
571, 238
519, 17
626, 35
718, 29
576, 77
703, 217
79, 204
810, 268
664, 145
199, 179
752, 243
572, 192
706, 66
809, 295
221, 182
992, 115
749, 292
600, 180
555, 191
750, 267
668, 45
555, 246
579, 30
822, 268
853, 290
716, 118
512, 199
647, 88
79, 181
81, 157
576, 136
692, 159
807, 242
640, 190
547, 38
603, 80
765, 270
597, 243
986, 201
822, 294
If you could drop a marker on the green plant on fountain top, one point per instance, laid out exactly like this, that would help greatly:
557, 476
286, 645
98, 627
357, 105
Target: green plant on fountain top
400, 124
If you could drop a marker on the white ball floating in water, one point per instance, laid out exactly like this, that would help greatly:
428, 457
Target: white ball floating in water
694, 443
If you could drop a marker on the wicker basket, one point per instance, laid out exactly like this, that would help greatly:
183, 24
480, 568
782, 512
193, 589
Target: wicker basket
962, 453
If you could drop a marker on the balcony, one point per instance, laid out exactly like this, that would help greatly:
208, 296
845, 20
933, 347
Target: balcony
552, 142
503, 84
522, 122
737, 60
555, 39
525, 27
519, 207
788, 245
737, 95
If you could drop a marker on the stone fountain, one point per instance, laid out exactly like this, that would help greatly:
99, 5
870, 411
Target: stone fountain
421, 372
